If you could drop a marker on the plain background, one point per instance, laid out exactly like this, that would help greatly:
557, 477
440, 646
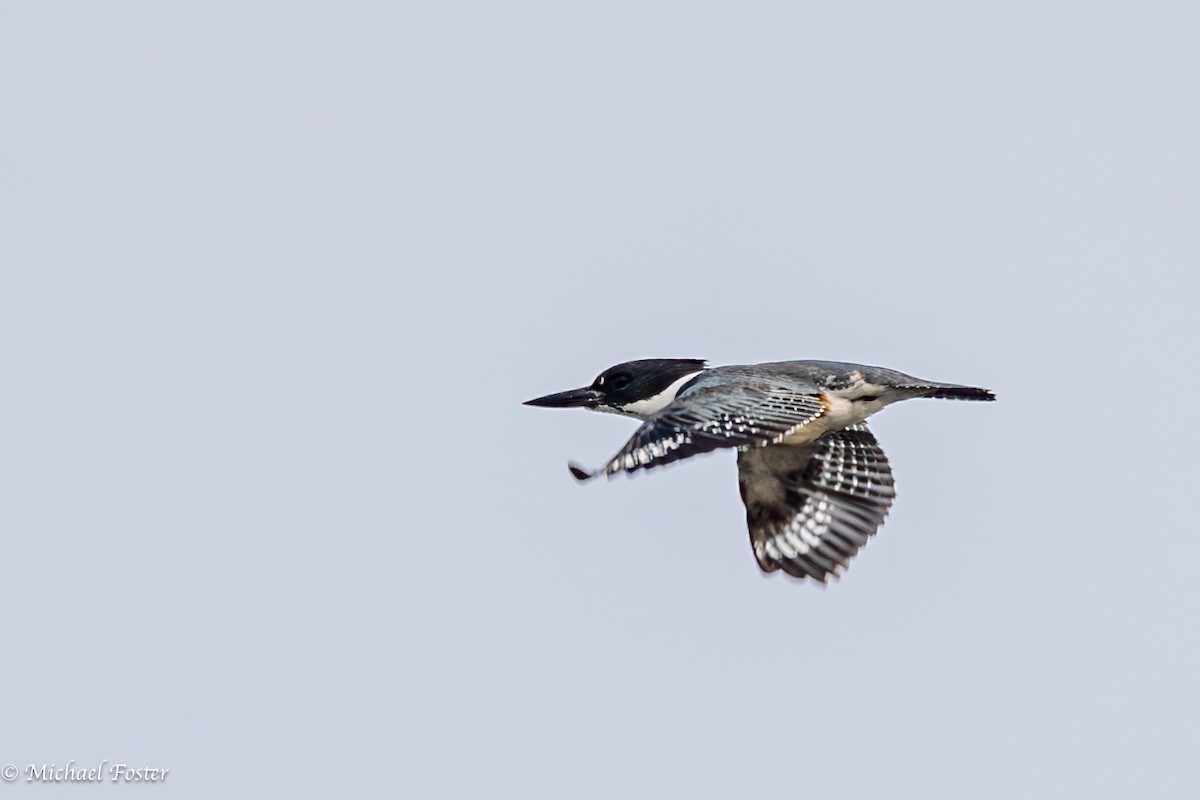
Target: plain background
276, 278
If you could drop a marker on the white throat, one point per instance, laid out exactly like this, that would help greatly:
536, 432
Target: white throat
644, 408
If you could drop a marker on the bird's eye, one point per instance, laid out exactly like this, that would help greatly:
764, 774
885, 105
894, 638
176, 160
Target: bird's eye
620, 382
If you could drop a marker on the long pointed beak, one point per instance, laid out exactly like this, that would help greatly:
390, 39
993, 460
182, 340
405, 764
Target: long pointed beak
572, 398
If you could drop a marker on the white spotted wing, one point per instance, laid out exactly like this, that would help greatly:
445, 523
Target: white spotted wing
713, 417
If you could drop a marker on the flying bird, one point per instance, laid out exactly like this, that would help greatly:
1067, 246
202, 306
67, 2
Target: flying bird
815, 483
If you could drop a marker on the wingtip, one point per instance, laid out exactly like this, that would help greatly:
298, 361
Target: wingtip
579, 473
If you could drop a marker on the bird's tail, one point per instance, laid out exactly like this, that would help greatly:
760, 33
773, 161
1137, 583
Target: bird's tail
950, 391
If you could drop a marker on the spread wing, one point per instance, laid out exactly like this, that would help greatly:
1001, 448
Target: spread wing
711, 417
810, 508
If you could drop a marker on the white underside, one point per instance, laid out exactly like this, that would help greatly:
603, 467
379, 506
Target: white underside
845, 409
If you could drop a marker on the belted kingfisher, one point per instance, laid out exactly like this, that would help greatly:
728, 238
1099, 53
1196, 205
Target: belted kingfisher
815, 483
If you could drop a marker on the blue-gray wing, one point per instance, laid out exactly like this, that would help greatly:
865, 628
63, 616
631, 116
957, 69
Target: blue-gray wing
706, 418
810, 508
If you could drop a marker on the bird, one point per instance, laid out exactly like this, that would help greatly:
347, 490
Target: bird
814, 481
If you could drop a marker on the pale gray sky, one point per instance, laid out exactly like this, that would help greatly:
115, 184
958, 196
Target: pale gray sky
276, 277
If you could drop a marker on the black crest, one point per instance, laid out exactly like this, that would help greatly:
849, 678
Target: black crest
638, 380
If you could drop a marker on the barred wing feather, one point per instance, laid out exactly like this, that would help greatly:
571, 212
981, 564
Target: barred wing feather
810, 508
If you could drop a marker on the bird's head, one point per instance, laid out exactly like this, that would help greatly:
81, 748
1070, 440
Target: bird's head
635, 388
